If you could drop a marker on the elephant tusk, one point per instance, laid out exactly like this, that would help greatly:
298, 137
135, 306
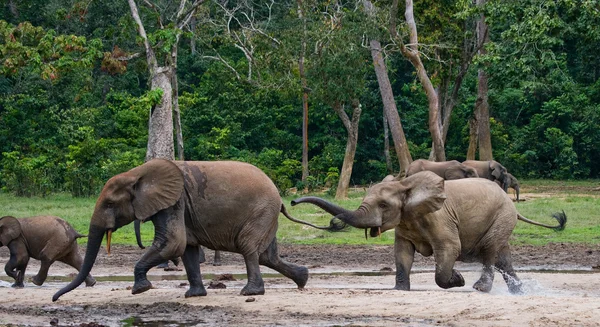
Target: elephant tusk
379, 231
108, 236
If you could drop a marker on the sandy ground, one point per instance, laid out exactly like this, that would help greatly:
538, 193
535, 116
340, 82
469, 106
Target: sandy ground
348, 286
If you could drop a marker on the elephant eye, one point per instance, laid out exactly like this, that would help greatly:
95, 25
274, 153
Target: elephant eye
383, 205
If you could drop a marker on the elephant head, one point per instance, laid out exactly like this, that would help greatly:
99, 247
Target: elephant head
136, 194
10, 229
387, 202
500, 174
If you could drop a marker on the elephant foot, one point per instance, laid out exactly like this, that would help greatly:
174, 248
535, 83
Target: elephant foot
141, 287
516, 288
456, 280
483, 286
17, 285
216, 263
35, 280
90, 281
252, 290
402, 287
301, 277
195, 291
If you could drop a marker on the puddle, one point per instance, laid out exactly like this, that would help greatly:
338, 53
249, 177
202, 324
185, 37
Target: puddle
141, 322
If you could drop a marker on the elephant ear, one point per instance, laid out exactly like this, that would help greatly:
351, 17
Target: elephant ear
159, 185
424, 193
496, 169
10, 228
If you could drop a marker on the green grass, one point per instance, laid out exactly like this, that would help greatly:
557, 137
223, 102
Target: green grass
578, 199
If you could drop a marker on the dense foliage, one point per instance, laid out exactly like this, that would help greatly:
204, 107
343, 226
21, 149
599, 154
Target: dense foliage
73, 113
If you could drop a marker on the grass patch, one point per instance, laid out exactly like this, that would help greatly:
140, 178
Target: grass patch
583, 224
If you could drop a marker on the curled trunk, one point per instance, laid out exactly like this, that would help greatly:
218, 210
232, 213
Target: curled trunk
94, 241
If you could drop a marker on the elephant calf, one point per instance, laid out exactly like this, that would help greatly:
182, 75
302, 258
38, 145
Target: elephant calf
45, 238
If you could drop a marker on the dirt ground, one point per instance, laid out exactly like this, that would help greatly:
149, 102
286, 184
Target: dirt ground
348, 286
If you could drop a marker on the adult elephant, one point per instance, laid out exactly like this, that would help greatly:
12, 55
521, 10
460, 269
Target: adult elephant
45, 238
447, 170
467, 220
223, 205
491, 170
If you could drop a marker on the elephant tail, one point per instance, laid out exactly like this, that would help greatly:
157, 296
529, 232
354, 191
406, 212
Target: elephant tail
561, 217
283, 210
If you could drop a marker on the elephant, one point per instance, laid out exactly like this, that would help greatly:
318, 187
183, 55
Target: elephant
202, 258
45, 238
468, 220
447, 170
491, 170
513, 183
223, 205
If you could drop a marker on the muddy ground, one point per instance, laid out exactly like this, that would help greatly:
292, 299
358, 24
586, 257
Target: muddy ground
348, 286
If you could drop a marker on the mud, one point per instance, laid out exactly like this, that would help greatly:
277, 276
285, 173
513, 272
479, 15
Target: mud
349, 286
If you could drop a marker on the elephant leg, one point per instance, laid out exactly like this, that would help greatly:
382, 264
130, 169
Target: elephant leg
217, 259
74, 260
504, 265
404, 253
15, 268
270, 258
485, 282
169, 243
42, 274
445, 274
255, 285
192, 269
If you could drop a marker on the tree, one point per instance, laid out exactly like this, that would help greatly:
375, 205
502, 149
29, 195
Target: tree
387, 94
163, 76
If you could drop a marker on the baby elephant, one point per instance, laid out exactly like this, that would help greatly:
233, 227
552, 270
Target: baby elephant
46, 238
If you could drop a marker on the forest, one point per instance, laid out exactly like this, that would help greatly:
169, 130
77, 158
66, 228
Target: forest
303, 89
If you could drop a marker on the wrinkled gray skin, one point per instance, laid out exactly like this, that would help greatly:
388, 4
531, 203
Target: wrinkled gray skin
491, 170
223, 205
201, 259
513, 183
45, 238
467, 220
447, 170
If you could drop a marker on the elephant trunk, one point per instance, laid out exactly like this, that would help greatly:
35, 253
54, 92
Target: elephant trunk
95, 236
517, 191
358, 218
138, 236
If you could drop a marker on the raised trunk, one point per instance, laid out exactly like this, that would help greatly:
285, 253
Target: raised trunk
358, 218
95, 236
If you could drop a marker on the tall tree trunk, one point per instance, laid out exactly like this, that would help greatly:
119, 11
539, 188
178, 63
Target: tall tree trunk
177, 113
386, 145
389, 106
387, 95
473, 137
304, 95
352, 129
411, 52
160, 133
482, 110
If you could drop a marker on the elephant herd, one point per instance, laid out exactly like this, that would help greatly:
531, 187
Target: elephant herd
436, 209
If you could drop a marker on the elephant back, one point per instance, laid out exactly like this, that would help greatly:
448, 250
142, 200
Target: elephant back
41, 231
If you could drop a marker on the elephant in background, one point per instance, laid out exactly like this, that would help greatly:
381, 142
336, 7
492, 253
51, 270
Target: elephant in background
45, 238
202, 258
491, 170
513, 183
223, 205
467, 220
447, 170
